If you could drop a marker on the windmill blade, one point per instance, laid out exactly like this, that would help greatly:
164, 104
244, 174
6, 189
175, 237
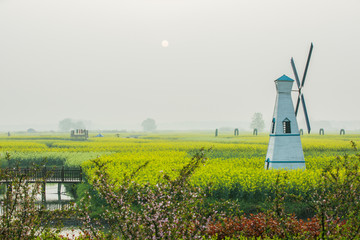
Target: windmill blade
305, 112
307, 65
295, 72
297, 105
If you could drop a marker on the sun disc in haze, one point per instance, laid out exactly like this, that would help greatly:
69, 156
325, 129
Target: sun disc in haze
165, 44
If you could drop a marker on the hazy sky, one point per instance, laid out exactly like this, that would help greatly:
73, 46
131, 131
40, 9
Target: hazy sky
102, 60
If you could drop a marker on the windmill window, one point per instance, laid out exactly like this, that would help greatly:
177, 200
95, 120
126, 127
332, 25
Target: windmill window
286, 126
273, 126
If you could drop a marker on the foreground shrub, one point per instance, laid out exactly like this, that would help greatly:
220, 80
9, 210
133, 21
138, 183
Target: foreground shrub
337, 200
172, 209
21, 216
264, 225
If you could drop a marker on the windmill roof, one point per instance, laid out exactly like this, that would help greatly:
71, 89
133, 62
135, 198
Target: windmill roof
285, 78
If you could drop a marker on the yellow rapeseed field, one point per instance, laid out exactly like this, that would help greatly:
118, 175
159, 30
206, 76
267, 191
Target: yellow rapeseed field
235, 166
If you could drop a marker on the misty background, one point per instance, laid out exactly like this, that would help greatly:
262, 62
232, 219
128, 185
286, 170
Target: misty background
102, 62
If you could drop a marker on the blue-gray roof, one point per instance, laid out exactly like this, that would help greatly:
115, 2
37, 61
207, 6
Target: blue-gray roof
285, 78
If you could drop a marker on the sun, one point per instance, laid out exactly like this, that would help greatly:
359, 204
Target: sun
164, 43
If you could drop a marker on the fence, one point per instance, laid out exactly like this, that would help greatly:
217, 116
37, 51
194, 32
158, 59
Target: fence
49, 175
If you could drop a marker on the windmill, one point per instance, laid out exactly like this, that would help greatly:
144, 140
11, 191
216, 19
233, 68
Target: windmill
285, 149
300, 86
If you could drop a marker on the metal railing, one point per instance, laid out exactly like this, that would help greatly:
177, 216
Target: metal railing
49, 175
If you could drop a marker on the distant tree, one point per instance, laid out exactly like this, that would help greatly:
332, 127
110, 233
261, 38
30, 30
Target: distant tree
31, 130
67, 124
258, 122
149, 125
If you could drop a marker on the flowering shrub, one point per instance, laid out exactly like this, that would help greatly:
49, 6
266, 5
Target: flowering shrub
337, 200
171, 209
21, 217
265, 226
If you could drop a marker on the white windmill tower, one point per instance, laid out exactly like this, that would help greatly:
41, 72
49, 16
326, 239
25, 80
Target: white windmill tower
285, 149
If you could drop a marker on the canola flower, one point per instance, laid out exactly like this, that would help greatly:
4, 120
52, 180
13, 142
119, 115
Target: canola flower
235, 167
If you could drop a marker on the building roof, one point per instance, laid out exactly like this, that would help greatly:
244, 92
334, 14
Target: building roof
285, 78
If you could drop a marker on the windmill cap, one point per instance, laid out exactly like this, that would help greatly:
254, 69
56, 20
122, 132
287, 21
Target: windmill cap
284, 78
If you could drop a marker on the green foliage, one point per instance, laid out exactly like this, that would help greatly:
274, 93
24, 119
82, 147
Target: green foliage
49, 159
